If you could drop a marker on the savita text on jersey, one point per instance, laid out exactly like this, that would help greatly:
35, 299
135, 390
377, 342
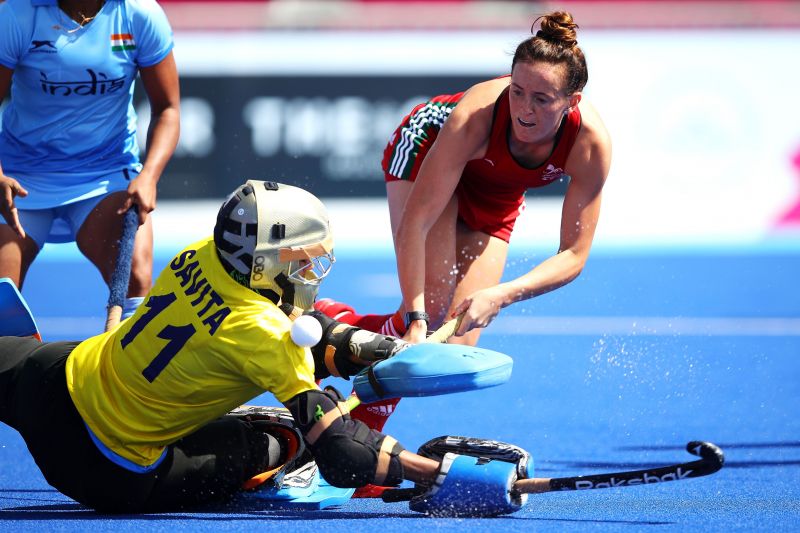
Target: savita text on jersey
208, 305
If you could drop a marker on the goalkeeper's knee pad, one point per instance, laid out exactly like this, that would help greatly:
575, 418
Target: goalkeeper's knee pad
348, 453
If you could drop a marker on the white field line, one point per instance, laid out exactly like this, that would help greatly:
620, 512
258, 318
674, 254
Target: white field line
646, 326
62, 327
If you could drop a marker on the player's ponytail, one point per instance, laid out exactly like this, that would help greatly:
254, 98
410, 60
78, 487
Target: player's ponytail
556, 43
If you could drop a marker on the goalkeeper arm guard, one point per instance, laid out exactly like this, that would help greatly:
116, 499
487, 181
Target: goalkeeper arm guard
345, 350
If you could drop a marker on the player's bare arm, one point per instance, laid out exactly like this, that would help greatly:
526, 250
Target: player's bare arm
160, 82
9, 187
588, 167
463, 137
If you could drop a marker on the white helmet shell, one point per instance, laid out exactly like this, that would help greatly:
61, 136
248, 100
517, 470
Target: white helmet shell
276, 237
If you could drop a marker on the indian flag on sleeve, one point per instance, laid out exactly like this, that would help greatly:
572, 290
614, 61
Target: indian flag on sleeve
121, 42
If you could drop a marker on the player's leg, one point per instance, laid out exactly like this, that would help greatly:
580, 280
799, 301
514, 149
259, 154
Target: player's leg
440, 276
442, 251
98, 235
440, 270
212, 464
40, 408
209, 465
481, 262
17, 254
397, 192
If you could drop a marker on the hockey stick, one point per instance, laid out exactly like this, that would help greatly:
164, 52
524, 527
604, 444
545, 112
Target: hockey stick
711, 460
118, 286
446, 330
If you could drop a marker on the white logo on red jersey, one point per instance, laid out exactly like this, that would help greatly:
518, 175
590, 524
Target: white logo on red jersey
381, 410
551, 173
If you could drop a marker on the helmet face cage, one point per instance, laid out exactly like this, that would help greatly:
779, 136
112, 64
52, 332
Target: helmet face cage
311, 271
267, 231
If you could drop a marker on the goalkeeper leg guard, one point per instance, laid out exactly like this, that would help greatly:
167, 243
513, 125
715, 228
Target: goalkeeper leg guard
277, 423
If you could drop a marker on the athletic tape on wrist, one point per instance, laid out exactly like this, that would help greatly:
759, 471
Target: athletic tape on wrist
130, 305
467, 486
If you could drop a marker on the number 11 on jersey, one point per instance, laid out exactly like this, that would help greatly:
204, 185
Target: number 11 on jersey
176, 336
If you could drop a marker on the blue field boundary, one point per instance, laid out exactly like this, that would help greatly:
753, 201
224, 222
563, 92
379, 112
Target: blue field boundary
649, 348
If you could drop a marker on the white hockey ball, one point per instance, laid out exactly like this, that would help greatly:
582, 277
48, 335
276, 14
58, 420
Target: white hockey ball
306, 331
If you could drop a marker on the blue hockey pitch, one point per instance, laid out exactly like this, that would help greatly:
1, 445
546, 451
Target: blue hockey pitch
619, 370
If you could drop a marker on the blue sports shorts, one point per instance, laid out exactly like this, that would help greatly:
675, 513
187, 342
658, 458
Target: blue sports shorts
56, 224
63, 219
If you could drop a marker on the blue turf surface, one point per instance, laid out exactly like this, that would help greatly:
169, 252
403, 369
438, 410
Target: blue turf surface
643, 353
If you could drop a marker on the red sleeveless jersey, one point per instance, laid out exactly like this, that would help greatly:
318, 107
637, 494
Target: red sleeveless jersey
491, 192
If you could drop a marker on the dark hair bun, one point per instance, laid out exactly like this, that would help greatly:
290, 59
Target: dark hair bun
558, 28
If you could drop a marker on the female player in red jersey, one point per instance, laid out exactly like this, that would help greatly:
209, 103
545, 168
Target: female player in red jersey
457, 170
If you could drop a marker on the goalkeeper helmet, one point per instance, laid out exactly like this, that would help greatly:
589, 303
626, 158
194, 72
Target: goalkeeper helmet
275, 239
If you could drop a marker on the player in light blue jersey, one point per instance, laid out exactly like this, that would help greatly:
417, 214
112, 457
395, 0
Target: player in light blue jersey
69, 159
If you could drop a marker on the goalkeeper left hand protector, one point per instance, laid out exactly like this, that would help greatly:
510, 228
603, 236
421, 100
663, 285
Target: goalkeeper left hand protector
476, 477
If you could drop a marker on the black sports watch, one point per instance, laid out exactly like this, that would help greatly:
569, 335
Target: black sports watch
417, 315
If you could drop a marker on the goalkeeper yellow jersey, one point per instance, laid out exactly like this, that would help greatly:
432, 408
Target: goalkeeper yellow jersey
199, 345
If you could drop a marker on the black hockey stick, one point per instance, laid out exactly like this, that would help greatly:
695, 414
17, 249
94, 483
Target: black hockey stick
711, 460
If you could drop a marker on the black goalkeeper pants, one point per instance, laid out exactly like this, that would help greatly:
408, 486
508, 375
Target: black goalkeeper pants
209, 465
